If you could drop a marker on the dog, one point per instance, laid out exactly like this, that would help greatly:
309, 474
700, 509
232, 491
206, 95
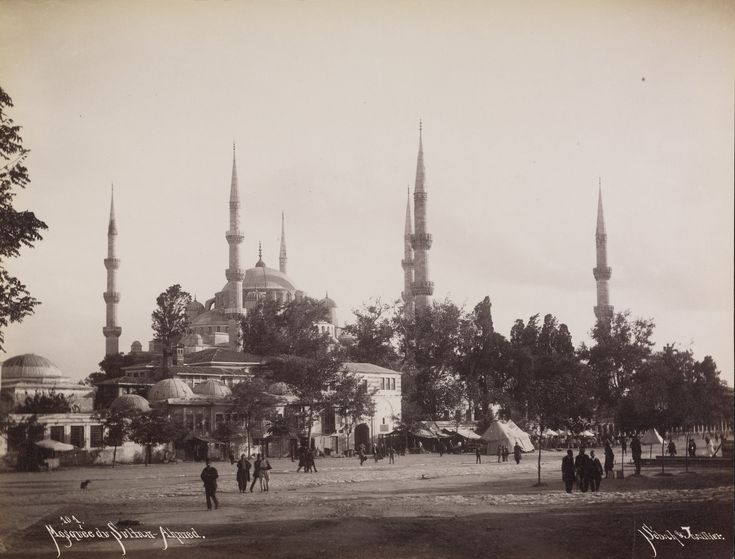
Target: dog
84, 484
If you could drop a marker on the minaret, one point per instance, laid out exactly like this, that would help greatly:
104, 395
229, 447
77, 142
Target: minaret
602, 272
422, 288
234, 273
407, 262
282, 258
111, 330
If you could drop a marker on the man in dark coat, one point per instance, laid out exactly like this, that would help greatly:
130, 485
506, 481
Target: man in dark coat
595, 471
209, 477
635, 450
243, 473
581, 469
609, 459
517, 452
478, 456
567, 470
500, 452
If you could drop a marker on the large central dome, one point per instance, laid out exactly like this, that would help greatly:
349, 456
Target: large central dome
264, 278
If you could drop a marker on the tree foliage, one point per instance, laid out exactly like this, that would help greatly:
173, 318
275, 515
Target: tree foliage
169, 319
47, 401
374, 333
153, 428
17, 228
22, 435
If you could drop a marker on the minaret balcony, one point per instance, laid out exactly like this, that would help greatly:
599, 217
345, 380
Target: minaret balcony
234, 237
421, 241
407, 263
112, 263
112, 331
238, 274
604, 312
422, 288
111, 296
602, 273
420, 196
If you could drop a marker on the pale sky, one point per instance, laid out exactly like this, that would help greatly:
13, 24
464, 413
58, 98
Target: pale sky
524, 106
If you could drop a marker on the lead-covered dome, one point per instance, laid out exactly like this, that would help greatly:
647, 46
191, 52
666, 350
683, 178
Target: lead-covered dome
130, 404
29, 366
169, 388
262, 277
212, 389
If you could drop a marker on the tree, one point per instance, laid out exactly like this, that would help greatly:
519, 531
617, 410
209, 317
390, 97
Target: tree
373, 330
17, 228
253, 402
45, 402
169, 320
554, 384
152, 428
115, 427
352, 400
22, 436
620, 350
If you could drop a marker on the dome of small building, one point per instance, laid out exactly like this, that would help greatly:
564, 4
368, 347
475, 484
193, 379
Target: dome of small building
329, 303
195, 306
130, 404
136, 347
212, 388
169, 388
29, 366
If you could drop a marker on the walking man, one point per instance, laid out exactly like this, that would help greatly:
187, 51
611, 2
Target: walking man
567, 470
595, 473
517, 452
256, 472
581, 469
209, 477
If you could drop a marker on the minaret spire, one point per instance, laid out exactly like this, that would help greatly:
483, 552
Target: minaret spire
602, 272
282, 258
422, 288
407, 262
234, 273
111, 330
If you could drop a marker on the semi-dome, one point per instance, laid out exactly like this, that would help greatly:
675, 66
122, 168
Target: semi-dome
29, 366
212, 388
262, 277
169, 388
130, 404
209, 318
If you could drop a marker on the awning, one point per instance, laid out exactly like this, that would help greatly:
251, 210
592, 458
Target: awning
55, 445
467, 434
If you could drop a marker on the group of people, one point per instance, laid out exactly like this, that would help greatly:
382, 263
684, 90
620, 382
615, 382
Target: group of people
260, 467
585, 471
306, 459
503, 453
379, 452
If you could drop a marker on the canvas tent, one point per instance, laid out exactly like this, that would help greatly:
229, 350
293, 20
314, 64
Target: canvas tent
507, 433
651, 437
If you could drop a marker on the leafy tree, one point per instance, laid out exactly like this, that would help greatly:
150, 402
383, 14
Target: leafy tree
153, 428
620, 350
353, 400
22, 436
374, 334
115, 427
253, 402
45, 402
112, 365
17, 228
553, 384
169, 320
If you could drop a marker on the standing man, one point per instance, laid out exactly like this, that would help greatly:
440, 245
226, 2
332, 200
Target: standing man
595, 471
517, 453
567, 470
478, 456
257, 465
209, 477
635, 449
500, 452
581, 469
609, 459
391, 455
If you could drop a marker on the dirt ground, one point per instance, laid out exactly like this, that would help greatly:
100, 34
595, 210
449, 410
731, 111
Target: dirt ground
422, 506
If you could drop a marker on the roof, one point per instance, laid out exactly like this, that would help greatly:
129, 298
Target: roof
126, 380
220, 355
263, 277
170, 388
29, 365
208, 318
367, 368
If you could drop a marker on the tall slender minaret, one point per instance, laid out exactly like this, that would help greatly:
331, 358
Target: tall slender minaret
234, 273
111, 330
422, 288
602, 272
407, 262
282, 258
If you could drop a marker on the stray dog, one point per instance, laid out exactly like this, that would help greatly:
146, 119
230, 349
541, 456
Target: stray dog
84, 484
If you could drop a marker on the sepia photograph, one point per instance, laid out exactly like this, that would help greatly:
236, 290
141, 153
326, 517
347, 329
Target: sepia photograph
362, 279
